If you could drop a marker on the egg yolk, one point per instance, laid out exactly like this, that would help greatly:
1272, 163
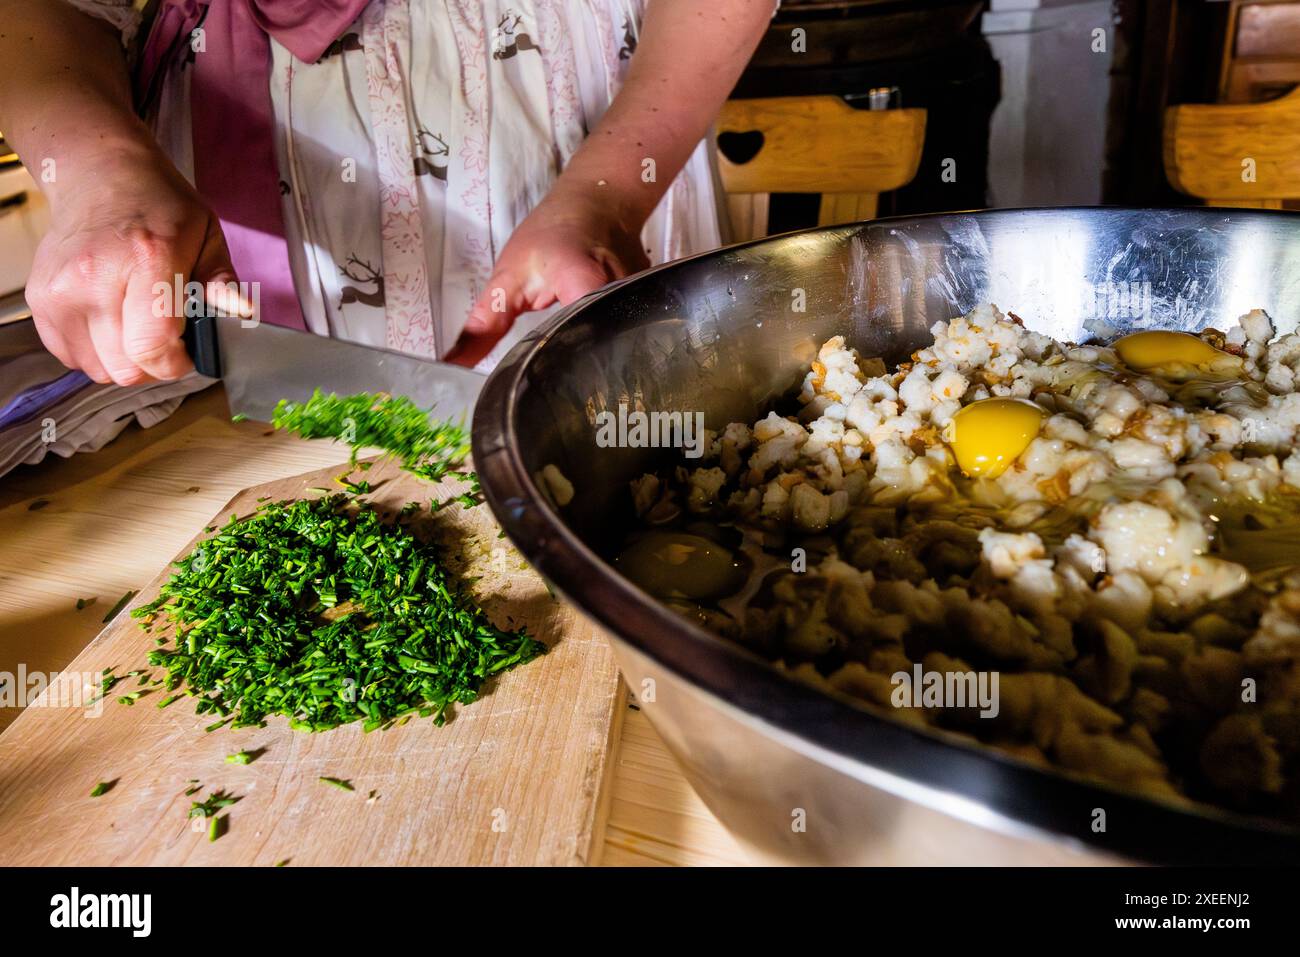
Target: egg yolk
680, 565
988, 435
1144, 351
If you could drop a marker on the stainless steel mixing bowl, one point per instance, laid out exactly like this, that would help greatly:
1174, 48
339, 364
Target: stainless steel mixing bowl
796, 775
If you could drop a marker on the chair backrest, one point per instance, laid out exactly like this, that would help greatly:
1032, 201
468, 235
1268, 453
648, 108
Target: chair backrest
815, 144
1235, 154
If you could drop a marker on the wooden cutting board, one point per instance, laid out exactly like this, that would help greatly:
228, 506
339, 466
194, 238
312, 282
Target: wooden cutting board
517, 777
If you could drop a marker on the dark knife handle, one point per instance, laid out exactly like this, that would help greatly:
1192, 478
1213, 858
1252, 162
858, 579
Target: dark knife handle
200, 338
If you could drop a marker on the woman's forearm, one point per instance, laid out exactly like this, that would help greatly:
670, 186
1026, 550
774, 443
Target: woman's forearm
67, 108
122, 219
688, 59
586, 231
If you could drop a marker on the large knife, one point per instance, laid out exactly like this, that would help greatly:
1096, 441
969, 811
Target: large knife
260, 364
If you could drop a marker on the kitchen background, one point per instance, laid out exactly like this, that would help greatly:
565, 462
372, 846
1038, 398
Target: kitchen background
1037, 102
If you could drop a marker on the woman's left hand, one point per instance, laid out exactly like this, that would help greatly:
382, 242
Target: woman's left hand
587, 231
569, 245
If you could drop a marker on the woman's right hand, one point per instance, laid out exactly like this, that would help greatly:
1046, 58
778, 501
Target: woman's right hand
119, 227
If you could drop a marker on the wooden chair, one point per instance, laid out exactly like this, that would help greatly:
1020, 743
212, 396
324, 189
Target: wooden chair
816, 144
1207, 149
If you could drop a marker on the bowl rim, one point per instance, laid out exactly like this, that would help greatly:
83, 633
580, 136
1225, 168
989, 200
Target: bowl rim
974, 783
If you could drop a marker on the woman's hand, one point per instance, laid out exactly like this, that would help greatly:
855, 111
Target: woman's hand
115, 233
122, 219
571, 244
586, 232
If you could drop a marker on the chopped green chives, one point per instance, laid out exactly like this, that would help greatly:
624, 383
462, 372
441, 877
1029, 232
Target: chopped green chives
395, 424
319, 611
121, 603
214, 803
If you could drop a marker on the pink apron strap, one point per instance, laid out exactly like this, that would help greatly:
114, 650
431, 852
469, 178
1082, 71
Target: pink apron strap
233, 120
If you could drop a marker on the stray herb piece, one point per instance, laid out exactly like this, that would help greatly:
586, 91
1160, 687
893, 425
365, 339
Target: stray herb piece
215, 802
244, 757
356, 488
103, 787
130, 698
338, 783
218, 826
319, 611
107, 682
38, 504
121, 603
392, 423
475, 494
283, 862
86, 602
238, 417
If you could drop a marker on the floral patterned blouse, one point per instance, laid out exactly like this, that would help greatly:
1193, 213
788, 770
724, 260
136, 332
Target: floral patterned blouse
489, 101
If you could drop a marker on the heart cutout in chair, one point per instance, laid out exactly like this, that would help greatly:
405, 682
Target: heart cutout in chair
740, 148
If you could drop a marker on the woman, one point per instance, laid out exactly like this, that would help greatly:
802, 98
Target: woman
412, 174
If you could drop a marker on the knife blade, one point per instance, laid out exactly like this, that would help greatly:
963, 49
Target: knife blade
262, 364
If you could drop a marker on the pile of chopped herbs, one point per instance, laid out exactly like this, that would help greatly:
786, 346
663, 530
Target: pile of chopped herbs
395, 424
319, 611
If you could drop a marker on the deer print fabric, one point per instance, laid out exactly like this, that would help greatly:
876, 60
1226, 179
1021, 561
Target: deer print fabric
412, 148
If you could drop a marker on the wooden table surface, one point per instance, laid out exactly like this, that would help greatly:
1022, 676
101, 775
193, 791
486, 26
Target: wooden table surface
113, 519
